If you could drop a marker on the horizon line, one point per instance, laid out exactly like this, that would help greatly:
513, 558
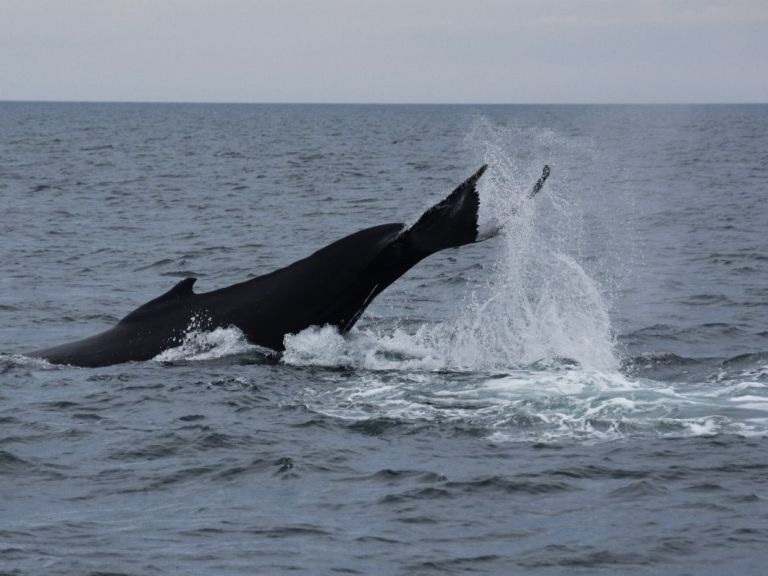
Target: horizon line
374, 103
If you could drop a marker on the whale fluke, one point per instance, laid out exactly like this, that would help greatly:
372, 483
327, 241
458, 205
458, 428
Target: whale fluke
451, 222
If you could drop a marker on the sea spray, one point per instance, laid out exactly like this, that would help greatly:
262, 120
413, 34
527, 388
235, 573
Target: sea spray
538, 306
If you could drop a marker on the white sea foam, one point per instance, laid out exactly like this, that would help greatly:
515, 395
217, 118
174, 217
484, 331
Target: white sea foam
21, 361
525, 405
202, 345
324, 346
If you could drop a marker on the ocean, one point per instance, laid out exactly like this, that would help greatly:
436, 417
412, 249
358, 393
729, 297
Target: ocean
587, 393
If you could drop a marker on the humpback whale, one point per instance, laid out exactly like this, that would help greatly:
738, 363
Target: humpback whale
332, 286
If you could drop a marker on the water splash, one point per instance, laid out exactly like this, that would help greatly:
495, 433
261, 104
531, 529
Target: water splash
207, 345
537, 306
366, 349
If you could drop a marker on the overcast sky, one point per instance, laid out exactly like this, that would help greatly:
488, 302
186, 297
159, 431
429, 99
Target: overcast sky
474, 51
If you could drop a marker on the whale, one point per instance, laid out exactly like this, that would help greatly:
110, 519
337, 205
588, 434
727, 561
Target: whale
331, 287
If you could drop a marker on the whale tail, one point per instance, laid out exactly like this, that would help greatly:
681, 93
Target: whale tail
455, 220
451, 222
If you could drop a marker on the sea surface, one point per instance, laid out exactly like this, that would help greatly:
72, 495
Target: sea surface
585, 394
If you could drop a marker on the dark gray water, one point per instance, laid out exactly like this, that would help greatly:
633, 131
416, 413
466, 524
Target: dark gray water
587, 393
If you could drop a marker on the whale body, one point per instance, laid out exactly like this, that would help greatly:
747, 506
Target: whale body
332, 286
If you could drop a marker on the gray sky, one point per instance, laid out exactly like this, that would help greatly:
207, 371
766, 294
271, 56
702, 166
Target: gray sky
537, 51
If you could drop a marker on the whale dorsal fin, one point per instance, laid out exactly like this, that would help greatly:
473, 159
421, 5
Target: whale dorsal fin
180, 291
